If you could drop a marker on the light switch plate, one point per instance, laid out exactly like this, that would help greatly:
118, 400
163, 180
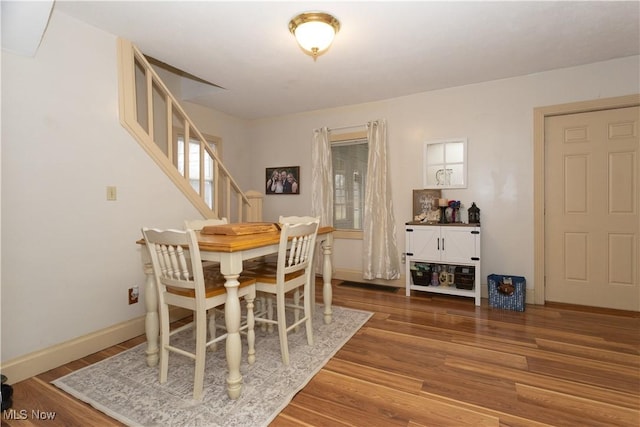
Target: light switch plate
111, 193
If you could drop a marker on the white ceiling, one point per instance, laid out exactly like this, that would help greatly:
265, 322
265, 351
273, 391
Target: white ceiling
384, 49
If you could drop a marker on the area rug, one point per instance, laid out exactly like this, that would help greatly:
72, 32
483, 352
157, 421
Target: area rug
126, 389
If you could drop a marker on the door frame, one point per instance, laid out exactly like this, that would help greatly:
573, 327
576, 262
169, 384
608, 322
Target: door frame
539, 116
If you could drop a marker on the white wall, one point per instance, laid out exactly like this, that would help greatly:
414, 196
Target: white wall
68, 255
62, 144
497, 119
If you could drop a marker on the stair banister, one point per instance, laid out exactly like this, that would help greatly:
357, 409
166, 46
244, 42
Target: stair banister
128, 54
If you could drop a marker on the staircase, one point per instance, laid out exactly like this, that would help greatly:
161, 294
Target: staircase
157, 121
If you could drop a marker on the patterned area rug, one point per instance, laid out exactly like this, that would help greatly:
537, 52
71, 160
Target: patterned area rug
126, 389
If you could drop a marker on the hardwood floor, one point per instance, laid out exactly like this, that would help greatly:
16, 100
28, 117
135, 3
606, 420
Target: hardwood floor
433, 360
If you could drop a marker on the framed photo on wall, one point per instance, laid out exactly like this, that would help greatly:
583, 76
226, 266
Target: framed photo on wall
282, 180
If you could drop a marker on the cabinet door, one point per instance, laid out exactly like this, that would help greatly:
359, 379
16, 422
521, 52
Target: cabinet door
424, 242
460, 244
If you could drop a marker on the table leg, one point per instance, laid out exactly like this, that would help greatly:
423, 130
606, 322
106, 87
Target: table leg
230, 267
313, 276
327, 292
151, 323
251, 335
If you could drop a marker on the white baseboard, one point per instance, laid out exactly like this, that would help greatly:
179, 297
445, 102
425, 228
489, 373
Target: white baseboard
35, 363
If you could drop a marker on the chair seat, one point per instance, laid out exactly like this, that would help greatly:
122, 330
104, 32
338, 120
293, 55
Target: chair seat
266, 273
214, 285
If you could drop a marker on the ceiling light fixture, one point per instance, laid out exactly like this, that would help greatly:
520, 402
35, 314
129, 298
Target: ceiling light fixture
314, 31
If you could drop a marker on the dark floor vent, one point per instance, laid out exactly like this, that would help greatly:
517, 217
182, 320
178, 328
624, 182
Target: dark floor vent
370, 286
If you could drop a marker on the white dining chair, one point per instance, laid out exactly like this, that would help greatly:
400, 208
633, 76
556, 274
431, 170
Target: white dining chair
211, 267
181, 281
291, 272
198, 225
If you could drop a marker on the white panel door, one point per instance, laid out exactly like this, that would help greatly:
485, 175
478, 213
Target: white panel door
592, 224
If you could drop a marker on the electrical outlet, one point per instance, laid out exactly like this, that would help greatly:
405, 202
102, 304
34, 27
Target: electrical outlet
133, 295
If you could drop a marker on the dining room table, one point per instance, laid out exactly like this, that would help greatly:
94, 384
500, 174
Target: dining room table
231, 251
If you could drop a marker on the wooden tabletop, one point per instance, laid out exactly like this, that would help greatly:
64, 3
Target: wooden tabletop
225, 243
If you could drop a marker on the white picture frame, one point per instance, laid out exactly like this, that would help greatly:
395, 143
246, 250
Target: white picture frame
445, 163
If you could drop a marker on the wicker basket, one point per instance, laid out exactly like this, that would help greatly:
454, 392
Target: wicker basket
420, 277
464, 280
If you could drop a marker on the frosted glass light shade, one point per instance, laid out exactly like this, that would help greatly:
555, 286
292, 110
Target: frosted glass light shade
314, 31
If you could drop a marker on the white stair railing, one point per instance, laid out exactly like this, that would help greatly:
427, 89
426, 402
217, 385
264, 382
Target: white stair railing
154, 117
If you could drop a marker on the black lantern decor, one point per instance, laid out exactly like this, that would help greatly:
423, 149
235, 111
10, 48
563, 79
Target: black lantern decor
474, 214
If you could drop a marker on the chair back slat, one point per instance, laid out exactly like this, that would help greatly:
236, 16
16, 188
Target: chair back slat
297, 241
173, 266
298, 250
172, 262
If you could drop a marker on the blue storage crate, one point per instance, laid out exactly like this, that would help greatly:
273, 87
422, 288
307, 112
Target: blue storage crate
499, 299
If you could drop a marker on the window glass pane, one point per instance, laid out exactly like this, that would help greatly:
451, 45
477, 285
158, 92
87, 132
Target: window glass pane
208, 167
435, 173
457, 176
194, 167
349, 180
339, 197
435, 153
180, 155
454, 152
194, 159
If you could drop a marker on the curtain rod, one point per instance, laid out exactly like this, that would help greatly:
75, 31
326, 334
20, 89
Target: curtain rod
347, 127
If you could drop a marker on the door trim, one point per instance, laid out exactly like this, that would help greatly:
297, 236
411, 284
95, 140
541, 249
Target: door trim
539, 116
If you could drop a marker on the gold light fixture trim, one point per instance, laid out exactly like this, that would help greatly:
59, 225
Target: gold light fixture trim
314, 32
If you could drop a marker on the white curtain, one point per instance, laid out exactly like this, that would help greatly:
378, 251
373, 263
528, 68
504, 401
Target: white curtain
321, 185
380, 259
322, 177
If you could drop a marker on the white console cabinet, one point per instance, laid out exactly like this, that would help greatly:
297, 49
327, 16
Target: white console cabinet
452, 248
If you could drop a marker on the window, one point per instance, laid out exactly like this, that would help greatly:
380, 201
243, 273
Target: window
445, 163
349, 155
194, 165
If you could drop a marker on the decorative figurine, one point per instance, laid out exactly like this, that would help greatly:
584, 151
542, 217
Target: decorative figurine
474, 214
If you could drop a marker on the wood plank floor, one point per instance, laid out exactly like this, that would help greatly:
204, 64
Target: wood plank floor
434, 360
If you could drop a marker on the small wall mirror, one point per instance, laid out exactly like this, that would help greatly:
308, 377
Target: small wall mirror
445, 163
